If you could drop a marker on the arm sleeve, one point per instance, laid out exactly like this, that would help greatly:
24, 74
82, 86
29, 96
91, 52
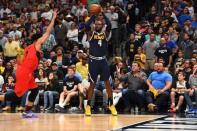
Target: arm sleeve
89, 22
150, 77
108, 23
168, 78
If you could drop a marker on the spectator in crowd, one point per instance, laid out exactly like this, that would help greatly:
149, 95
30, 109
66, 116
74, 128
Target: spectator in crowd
135, 23
72, 87
10, 49
41, 81
2, 67
155, 68
187, 46
18, 40
192, 91
60, 59
149, 48
178, 89
5, 10
59, 73
60, 33
72, 34
81, 9
47, 14
140, 58
152, 14
159, 83
136, 79
170, 44
173, 34
3, 40
8, 87
184, 16
131, 47
133, 13
187, 69
1, 83
164, 52
178, 64
34, 13
52, 90
15, 32
113, 17
49, 46
8, 71
82, 69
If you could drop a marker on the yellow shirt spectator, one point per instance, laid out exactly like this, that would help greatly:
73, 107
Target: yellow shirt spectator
11, 49
82, 70
2, 69
140, 58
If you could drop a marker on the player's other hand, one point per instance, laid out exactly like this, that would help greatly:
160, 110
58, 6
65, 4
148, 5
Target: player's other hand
55, 13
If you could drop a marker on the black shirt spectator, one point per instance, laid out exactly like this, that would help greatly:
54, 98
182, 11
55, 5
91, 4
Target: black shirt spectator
71, 82
131, 47
164, 53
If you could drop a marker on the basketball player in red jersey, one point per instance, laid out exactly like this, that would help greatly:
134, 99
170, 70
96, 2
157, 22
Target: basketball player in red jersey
25, 71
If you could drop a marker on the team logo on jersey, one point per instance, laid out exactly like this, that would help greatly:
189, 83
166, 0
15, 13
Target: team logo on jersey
99, 37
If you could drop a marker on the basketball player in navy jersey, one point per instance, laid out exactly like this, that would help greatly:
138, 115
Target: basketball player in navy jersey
97, 59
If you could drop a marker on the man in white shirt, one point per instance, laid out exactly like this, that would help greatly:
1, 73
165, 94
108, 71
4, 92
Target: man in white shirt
15, 32
81, 10
4, 10
47, 14
113, 17
34, 13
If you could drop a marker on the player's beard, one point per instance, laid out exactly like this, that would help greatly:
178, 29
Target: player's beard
98, 30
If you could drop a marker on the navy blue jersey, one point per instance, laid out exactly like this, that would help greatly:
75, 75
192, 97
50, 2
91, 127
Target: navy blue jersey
98, 44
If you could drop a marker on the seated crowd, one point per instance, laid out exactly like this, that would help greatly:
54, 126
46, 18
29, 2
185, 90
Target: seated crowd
152, 56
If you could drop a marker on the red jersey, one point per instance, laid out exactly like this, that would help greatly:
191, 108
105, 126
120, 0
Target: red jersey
25, 71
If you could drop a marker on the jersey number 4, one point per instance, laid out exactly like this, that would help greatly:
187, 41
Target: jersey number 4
100, 43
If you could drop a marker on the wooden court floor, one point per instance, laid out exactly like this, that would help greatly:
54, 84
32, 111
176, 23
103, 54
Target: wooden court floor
69, 122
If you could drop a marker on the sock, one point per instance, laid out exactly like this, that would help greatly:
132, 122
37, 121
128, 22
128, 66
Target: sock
110, 101
27, 108
61, 105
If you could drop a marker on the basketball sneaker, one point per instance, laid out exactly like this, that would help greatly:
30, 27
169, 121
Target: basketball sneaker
112, 108
29, 114
88, 110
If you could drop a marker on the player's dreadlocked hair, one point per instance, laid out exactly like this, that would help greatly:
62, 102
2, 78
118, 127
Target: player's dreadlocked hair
35, 37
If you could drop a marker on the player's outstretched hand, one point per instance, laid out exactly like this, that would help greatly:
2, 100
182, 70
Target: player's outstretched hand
55, 13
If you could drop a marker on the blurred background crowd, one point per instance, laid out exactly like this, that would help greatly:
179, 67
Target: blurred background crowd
152, 45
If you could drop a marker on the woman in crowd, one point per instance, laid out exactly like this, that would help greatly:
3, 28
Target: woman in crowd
41, 81
52, 90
